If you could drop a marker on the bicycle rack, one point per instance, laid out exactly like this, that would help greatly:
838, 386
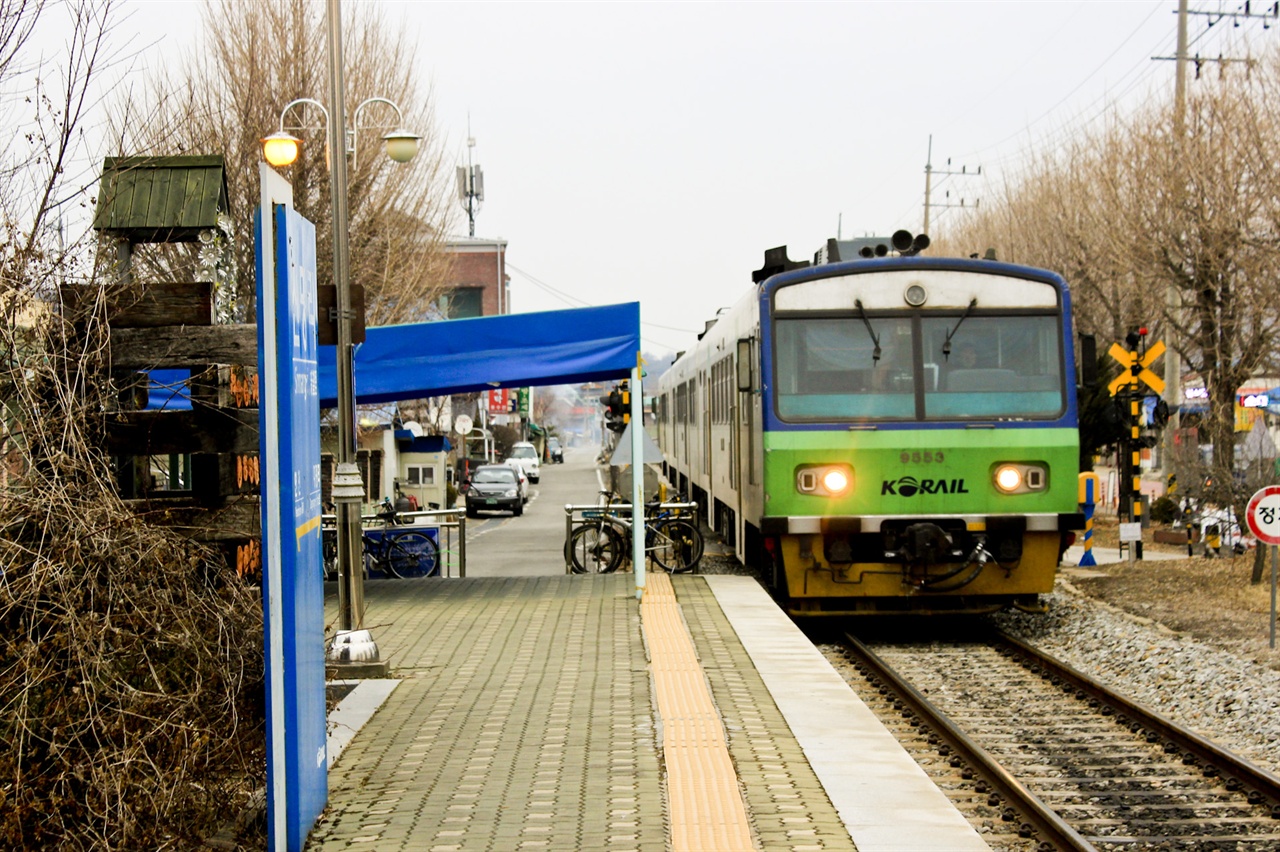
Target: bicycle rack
575, 516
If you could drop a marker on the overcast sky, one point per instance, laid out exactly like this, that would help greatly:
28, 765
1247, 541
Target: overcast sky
651, 152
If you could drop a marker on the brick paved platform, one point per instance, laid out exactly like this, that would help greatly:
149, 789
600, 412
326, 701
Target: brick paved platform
526, 719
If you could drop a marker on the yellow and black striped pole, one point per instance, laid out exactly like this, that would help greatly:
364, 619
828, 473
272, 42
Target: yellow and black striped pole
1088, 499
1135, 449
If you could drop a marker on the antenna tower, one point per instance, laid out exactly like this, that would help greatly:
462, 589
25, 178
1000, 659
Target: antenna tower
471, 185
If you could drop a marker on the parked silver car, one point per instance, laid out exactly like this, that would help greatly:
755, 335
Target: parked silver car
496, 488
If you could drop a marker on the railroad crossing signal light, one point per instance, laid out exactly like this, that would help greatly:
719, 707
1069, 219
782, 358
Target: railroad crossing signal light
1160, 414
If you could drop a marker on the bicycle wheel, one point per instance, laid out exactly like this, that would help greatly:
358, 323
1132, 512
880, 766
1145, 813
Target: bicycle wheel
595, 549
410, 554
675, 545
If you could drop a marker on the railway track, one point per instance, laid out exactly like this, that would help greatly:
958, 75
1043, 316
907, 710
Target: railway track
1041, 757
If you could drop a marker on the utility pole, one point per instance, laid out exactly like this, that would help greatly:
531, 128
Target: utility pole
1271, 14
471, 186
928, 185
1172, 360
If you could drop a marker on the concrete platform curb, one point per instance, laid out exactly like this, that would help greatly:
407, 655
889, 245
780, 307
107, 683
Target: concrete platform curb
353, 711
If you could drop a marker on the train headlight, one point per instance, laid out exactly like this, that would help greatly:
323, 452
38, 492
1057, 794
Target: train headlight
1008, 478
825, 480
835, 481
1012, 478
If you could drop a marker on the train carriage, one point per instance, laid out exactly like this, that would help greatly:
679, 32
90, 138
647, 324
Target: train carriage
894, 434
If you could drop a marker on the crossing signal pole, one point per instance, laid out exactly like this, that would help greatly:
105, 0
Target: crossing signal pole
1136, 361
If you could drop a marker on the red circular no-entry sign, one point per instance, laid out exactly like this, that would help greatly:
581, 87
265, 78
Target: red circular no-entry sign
1263, 514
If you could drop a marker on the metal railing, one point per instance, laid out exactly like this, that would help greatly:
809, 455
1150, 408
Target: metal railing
450, 526
578, 515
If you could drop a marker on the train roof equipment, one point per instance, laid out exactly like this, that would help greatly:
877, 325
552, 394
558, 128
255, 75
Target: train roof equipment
901, 244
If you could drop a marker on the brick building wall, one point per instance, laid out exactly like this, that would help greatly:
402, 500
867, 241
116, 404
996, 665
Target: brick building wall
479, 265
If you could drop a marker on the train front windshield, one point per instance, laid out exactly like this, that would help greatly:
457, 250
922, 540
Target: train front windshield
998, 368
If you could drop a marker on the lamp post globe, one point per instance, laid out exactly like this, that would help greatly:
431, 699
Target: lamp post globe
280, 149
402, 145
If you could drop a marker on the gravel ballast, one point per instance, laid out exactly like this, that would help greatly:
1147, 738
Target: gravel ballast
1229, 699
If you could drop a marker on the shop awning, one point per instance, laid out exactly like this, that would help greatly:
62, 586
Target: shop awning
515, 350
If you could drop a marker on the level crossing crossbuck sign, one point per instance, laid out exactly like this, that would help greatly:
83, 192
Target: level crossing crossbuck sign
1131, 360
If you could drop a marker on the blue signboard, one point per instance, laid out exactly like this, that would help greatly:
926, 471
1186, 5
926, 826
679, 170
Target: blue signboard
293, 594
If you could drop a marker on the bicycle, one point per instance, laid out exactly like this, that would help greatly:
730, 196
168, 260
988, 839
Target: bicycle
399, 554
596, 546
601, 543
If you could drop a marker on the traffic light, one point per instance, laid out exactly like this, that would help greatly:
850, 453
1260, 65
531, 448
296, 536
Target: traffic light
617, 404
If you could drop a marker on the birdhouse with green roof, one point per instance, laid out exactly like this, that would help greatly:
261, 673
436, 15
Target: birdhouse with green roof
161, 199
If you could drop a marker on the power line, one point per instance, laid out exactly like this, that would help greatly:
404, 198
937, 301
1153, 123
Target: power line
1108, 98
574, 301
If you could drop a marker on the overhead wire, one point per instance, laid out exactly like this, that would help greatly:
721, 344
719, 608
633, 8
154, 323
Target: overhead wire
908, 212
570, 300
1139, 72
1105, 103
1100, 107
1084, 117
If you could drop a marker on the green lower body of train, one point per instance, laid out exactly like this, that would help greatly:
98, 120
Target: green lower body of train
922, 526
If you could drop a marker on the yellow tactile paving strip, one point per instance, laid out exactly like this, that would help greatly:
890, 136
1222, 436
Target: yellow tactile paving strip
705, 803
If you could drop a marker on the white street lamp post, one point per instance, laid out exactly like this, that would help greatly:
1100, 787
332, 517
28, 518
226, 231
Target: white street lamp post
281, 149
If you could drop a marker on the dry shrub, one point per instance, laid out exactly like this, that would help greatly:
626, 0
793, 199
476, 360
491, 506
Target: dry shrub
131, 673
131, 662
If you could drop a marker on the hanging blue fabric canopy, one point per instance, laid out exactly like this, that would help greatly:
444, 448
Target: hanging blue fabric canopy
398, 362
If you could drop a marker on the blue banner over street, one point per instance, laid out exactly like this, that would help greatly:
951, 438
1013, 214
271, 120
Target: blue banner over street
514, 350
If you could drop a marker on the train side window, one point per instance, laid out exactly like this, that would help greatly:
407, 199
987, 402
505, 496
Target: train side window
744, 365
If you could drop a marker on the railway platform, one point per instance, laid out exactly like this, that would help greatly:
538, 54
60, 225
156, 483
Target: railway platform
559, 713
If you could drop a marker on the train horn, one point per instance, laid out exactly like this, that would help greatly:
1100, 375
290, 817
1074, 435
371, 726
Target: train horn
908, 245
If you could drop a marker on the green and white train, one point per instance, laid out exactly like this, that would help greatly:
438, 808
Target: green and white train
888, 434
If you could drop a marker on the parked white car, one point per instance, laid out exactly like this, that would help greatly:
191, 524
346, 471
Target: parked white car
521, 478
525, 455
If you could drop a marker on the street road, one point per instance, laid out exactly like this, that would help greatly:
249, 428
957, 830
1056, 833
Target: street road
532, 545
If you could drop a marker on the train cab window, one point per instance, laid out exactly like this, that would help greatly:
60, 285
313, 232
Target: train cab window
1001, 367
826, 368
996, 367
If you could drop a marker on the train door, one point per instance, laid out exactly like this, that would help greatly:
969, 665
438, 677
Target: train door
686, 461
731, 423
743, 410
704, 404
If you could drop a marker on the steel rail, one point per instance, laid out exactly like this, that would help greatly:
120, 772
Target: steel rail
1207, 751
1051, 827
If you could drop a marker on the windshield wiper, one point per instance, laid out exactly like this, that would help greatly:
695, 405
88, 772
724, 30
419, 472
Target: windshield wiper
946, 344
875, 338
